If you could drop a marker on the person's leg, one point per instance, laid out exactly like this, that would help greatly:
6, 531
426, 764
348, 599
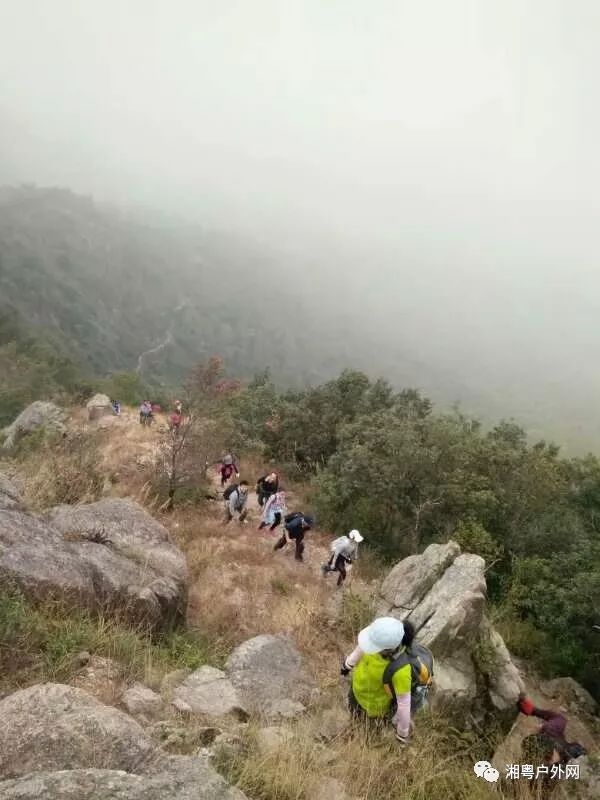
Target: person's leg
299, 555
280, 543
276, 521
262, 525
261, 499
228, 514
243, 514
340, 566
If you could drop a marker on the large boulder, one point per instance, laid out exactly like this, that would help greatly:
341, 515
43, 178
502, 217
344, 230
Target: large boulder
443, 593
53, 727
449, 616
99, 784
37, 415
410, 580
99, 406
208, 691
58, 743
110, 556
270, 678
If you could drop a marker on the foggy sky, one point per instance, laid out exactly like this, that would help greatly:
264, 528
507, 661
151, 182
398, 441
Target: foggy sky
438, 160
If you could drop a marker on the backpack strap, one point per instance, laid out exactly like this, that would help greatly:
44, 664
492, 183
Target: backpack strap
392, 668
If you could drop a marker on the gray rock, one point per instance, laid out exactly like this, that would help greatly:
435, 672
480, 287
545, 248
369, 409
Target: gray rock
110, 555
208, 691
443, 593
449, 616
568, 692
123, 556
99, 406
175, 737
10, 498
411, 579
269, 676
37, 415
193, 779
54, 727
141, 701
455, 688
504, 681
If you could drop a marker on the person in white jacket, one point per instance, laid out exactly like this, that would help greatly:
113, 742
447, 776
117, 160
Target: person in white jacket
344, 550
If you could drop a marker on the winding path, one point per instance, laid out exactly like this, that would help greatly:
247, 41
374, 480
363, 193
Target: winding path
168, 340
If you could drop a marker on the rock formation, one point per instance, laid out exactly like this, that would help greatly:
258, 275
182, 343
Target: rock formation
35, 416
110, 556
99, 406
59, 743
270, 678
443, 593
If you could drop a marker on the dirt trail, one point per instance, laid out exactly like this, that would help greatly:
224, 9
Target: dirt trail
167, 341
240, 587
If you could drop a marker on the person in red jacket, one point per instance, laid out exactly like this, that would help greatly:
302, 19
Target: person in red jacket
548, 747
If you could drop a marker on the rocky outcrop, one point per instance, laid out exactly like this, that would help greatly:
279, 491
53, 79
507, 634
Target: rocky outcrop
37, 415
443, 593
208, 691
571, 694
270, 678
94, 784
99, 406
110, 556
59, 743
140, 701
53, 727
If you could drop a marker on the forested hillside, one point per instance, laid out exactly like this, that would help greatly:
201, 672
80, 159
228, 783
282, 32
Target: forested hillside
110, 288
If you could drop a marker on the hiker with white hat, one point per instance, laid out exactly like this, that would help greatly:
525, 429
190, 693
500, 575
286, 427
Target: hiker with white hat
370, 697
344, 550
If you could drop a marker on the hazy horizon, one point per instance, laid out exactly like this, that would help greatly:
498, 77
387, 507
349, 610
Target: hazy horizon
432, 168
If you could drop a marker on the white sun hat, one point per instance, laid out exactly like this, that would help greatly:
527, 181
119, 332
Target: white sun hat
385, 633
356, 537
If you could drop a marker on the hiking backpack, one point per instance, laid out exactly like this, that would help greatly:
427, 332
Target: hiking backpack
230, 490
290, 517
420, 659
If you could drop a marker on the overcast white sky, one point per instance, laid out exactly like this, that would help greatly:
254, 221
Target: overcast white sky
445, 150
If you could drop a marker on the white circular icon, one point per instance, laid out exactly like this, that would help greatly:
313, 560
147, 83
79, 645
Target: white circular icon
483, 769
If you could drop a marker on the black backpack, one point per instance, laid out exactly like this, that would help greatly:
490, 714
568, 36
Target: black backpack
230, 490
290, 517
420, 659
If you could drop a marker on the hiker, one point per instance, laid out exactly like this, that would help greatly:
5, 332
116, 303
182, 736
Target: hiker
175, 420
146, 413
116, 407
382, 675
228, 469
547, 747
267, 486
344, 550
236, 497
273, 511
296, 525
178, 406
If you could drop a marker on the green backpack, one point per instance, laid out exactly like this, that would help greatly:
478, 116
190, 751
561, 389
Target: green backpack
420, 659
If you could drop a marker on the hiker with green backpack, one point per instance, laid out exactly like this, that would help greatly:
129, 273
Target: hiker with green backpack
391, 674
